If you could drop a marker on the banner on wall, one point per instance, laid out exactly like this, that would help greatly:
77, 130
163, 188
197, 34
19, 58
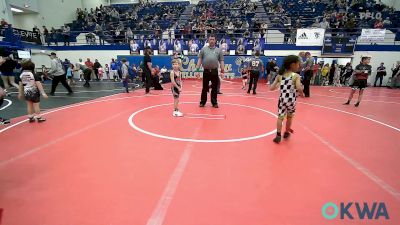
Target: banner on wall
310, 37
233, 64
339, 45
23, 35
372, 35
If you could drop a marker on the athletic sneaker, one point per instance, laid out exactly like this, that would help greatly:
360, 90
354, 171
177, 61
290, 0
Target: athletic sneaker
286, 135
177, 114
4, 121
41, 119
31, 120
277, 139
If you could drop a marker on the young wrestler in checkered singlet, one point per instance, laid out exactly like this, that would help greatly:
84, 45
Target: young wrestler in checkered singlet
288, 82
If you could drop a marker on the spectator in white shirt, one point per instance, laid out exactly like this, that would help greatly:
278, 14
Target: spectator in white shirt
224, 46
134, 47
129, 34
324, 24
194, 48
162, 46
177, 46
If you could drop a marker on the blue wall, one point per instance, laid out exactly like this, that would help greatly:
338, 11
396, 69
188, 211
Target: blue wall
233, 64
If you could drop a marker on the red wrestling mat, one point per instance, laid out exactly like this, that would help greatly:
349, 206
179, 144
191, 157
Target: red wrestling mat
124, 159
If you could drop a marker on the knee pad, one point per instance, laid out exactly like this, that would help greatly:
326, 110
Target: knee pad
281, 116
290, 115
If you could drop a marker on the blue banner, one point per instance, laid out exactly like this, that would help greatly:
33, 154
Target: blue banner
339, 45
233, 64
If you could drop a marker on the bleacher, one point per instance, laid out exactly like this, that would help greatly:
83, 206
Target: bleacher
146, 27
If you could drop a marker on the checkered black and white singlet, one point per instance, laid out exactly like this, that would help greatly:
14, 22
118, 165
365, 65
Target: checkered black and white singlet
287, 98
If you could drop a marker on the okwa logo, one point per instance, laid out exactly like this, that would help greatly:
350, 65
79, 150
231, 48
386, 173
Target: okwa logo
355, 210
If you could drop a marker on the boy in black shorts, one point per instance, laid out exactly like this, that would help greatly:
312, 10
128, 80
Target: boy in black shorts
361, 73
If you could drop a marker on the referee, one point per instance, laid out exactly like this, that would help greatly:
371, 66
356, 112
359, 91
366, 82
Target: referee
209, 57
147, 68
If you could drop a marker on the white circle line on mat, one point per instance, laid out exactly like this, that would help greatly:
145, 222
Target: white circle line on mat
134, 126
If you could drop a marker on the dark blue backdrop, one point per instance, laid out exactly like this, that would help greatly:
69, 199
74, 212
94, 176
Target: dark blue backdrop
233, 64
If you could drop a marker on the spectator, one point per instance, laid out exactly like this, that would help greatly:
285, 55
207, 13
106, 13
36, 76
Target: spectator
162, 46
46, 35
125, 74
324, 24
325, 73
99, 32
36, 29
58, 73
348, 72
240, 49
7, 66
332, 72
378, 24
387, 22
257, 46
53, 34
3, 121
66, 64
114, 70
177, 46
194, 48
129, 35
96, 67
3, 22
224, 46
381, 72
107, 71
66, 34
89, 65
395, 76
134, 47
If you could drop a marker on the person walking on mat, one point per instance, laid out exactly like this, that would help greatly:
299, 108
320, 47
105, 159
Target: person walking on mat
256, 67
59, 75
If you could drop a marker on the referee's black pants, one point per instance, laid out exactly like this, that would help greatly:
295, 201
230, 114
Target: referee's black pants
148, 81
210, 75
306, 82
253, 79
60, 79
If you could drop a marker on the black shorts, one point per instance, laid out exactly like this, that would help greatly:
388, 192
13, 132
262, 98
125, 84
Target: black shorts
32, 96
244, 77
359, 84
175, 92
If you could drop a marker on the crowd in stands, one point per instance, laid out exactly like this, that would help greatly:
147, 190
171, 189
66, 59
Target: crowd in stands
237, 23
